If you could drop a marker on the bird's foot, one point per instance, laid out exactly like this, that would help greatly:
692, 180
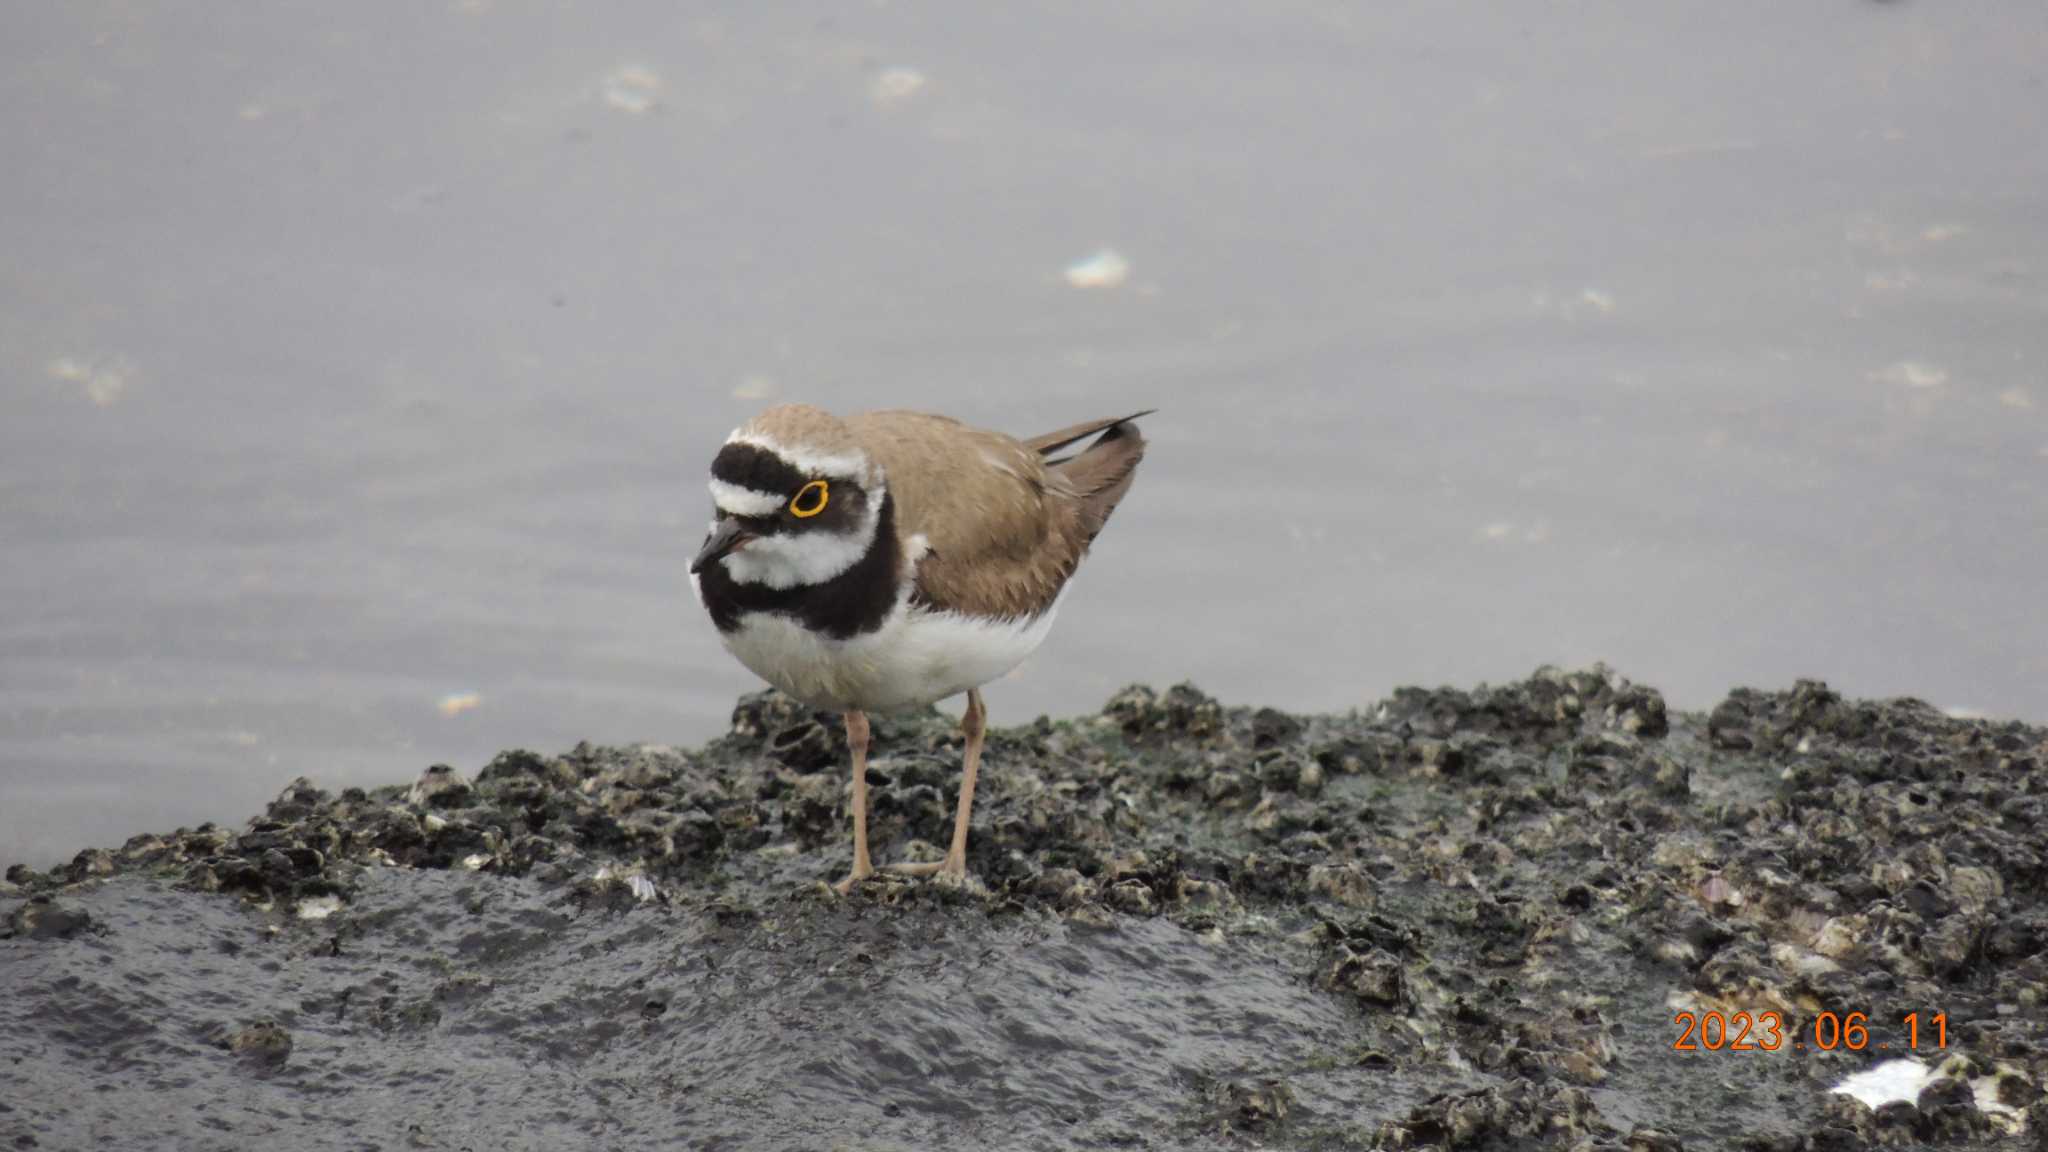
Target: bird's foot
861, 871
925, 859
959, 880
950, 872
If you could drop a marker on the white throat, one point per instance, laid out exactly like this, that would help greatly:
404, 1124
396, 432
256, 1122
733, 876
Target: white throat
805, 558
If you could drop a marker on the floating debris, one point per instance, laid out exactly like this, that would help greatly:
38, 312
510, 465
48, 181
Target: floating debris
103, 380
1936, 233
1912, 374
633, 88
1105, 269
319, 907
642, 888
896, 85
456, 703
2016, 398
756, 387
1573, 306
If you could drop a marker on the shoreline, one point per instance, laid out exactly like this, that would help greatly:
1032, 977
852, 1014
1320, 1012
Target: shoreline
1477, 911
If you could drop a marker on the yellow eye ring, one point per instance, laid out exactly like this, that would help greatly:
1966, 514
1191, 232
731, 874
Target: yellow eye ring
796, 502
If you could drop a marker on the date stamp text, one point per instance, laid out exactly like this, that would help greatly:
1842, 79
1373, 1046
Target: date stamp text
1826, 1032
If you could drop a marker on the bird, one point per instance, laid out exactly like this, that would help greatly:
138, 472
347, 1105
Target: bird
887, 560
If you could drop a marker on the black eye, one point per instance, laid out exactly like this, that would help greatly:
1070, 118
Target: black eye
810, 499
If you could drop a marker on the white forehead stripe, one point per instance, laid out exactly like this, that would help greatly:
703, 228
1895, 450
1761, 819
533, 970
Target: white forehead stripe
744, 501
853, 466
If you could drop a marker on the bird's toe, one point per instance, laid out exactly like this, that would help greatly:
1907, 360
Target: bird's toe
958, 879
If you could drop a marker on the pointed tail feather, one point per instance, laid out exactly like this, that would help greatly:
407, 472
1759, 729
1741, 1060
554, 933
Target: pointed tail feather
1052, 442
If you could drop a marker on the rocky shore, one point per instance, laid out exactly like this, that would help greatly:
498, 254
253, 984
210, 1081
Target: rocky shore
1456, 919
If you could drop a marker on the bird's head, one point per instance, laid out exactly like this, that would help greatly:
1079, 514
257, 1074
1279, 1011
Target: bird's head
797, 501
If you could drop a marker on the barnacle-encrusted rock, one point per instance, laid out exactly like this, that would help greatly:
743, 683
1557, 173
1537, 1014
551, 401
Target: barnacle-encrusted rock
1484, 894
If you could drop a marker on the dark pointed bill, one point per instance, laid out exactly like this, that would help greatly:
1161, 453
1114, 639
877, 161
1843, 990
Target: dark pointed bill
726, 535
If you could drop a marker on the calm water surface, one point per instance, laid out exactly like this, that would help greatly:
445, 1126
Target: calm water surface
359, 364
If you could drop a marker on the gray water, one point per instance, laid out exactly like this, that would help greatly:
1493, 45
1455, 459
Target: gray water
357, 358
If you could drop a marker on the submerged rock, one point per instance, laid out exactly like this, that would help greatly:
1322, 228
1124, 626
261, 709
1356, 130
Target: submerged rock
1258, 1107
262, 1043
43, 918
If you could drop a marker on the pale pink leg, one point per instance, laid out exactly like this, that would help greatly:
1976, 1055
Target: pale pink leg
857, 740
975, 723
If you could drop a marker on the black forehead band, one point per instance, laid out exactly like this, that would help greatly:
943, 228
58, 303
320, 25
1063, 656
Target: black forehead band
751, 466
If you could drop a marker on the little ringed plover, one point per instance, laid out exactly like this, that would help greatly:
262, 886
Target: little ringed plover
887, 560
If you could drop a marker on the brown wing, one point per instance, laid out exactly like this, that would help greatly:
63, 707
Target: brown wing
1004, 529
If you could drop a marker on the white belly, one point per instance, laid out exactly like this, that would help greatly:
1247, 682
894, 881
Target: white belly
913, 659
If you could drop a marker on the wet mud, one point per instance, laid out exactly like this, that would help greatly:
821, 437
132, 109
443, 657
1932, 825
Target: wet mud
1456, 919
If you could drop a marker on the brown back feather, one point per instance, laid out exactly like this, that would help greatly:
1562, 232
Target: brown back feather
1004, 528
